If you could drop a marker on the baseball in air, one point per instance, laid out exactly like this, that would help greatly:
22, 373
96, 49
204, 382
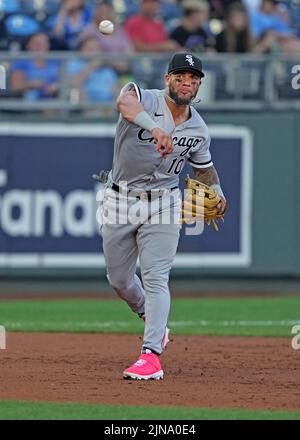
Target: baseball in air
106, 27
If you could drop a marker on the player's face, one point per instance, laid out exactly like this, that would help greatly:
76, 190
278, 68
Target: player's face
183, 86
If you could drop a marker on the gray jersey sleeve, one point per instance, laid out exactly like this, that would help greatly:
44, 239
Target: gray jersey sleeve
146, 97
202, 157
147, 100
131, 86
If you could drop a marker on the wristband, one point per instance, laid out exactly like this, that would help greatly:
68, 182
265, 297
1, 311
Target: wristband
145, 121
218, 190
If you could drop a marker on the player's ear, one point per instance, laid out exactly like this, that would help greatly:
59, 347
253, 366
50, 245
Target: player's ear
167, 79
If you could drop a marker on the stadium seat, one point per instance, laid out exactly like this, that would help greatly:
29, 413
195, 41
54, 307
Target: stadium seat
9, 6
21, 25
170, 11
15, 29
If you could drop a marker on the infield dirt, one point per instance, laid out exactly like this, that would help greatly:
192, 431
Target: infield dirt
200, 371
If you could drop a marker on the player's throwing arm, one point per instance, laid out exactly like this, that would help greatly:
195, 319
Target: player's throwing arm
134, 112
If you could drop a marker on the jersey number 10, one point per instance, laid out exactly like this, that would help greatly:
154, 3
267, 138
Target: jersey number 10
176, 166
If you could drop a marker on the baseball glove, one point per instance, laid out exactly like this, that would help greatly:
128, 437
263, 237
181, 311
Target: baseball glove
200, 203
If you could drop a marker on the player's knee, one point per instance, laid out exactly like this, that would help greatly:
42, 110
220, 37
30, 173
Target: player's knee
119, 282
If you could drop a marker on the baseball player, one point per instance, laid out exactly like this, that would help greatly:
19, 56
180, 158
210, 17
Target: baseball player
157, 132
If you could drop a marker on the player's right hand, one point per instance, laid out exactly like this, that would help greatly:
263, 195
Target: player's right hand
163, 141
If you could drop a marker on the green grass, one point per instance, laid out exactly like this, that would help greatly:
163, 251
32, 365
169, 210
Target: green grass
251, 317
244, 317
14, 410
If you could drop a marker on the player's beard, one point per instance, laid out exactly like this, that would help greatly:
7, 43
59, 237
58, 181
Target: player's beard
180, 101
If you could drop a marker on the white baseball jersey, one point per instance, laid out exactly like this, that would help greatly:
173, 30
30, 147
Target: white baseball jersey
135, 159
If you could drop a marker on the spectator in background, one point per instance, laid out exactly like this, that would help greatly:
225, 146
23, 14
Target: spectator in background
236, 36
193, 34
267, 19
96, 81
36, 78
252, 5
292, 7
267, 24
219, 7
116, 42
147, 32
72, 18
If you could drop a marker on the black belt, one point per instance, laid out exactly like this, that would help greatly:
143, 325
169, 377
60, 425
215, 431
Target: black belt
149, 193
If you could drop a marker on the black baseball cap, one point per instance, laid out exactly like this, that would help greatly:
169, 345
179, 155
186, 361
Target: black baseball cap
185, 61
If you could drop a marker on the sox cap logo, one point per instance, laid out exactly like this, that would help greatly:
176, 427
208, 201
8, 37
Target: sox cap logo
189, 59
185, 61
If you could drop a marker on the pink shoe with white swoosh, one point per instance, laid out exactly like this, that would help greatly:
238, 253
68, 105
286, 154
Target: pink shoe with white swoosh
146, 367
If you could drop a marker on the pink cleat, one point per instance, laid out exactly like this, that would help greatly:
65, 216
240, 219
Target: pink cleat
146, 367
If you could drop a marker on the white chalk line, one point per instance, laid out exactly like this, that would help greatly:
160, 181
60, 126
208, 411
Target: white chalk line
121, 324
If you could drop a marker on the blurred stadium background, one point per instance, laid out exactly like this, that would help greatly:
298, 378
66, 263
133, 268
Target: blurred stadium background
57, 119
